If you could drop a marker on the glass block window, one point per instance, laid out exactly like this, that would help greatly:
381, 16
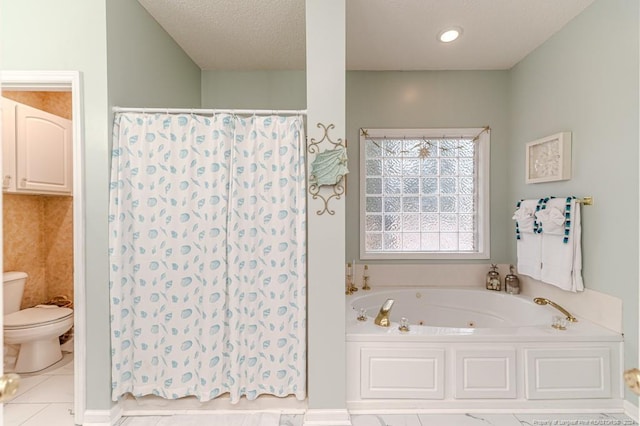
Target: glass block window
424, 193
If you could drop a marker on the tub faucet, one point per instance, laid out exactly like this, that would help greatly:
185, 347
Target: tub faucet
383, 316
543, 301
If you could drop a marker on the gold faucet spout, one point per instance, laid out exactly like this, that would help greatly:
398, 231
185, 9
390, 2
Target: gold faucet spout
383, 316
543, 301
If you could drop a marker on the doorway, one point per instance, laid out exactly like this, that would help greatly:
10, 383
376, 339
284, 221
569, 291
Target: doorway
65, 81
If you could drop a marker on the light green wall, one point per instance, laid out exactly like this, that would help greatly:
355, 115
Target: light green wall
389, 99
71, 35
145, 68
254, 89
326, 346
585, 80
399, 99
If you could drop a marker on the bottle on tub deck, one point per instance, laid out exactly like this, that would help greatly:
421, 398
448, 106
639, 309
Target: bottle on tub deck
512, 282
493, 279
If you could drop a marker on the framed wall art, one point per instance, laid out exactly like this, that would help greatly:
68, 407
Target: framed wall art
549, 159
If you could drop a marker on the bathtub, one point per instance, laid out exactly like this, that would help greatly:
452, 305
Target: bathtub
471, 348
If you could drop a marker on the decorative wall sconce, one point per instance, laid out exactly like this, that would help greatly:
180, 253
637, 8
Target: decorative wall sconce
328, 169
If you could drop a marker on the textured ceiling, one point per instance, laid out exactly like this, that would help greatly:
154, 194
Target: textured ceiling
235, 34
381, 34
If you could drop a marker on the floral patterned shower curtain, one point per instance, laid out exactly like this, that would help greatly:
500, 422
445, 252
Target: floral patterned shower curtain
207, 250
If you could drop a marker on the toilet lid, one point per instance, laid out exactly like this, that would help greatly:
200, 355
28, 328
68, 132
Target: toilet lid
39, 315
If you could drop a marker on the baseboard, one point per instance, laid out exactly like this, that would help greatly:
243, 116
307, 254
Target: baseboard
102, 417
631, 410
315, 417
97, 418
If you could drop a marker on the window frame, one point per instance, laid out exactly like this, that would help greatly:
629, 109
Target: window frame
483, 191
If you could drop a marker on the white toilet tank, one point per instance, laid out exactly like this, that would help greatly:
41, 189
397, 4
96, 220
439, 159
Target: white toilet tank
13, 289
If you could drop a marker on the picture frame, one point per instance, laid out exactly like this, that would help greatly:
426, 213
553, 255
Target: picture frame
548, 159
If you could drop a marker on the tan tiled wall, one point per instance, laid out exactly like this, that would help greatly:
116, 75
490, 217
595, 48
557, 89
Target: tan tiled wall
58, 244
58, 103
23, 217
38, 230
38, 240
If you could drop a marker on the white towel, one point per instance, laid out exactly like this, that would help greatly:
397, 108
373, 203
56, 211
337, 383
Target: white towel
561, 252
528, 244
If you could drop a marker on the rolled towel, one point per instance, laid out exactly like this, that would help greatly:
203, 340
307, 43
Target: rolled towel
525, 217
552, 220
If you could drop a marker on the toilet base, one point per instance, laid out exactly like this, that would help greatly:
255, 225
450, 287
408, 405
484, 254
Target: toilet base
38, 355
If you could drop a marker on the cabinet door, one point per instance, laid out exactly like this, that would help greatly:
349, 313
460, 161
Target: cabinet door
44, 151
414, 373
568, 373
485, 372
8, 145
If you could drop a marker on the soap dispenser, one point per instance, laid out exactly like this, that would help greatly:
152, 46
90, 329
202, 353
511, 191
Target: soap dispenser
493, 279
512, 282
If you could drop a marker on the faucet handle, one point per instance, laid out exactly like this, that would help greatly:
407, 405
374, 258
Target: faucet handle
559, 323
362, 315
404, 325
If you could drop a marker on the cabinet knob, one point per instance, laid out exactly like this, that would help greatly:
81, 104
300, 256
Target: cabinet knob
23, 182
632, 379
6, 181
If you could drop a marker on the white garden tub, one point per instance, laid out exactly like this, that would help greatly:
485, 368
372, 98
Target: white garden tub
475, 348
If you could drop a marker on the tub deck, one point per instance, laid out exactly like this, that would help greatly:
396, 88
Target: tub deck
525, 367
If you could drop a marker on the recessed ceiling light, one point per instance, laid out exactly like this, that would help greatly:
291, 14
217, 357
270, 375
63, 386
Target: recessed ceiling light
450, 34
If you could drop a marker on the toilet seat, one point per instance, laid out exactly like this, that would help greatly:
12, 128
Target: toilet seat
38, 316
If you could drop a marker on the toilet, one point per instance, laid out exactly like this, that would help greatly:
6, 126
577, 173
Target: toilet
36, 330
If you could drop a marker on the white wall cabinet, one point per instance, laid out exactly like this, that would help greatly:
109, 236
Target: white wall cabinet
37, 151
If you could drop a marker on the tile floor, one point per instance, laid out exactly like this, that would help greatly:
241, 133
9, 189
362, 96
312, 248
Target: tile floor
419, 420
47, 399
490, 419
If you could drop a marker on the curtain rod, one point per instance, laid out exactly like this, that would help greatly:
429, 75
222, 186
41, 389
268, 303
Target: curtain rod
213, 111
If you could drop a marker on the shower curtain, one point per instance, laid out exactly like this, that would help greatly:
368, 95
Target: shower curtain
207, 251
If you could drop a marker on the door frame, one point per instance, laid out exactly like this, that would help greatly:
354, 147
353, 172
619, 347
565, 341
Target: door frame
65, 81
